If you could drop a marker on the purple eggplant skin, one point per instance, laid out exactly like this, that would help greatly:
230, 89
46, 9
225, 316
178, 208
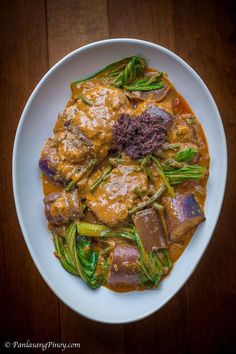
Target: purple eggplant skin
182, 214
48, 163
165, 118
44, 165
62, 208
51, 172
150, 229
139, 96
124, 269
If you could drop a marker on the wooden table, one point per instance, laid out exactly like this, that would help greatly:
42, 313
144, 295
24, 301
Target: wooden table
36, 34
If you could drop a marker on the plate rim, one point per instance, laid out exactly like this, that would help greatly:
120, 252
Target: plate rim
14, 180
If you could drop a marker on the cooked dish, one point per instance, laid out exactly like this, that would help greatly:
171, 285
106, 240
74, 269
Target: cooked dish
124, 177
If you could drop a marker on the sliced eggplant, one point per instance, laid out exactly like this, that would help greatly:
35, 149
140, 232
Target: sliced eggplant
150, 229
124, 269
49, 162
164, 117
182, 214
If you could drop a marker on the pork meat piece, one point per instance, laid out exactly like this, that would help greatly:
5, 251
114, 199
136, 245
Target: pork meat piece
82, 132
63, 154
62, 208
113, 198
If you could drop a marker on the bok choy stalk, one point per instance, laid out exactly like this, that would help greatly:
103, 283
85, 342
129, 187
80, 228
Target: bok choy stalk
62, 253
94, 266
186, 173
97, 230
78, 257
153, 265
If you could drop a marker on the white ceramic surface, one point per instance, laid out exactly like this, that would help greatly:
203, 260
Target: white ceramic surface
35, 126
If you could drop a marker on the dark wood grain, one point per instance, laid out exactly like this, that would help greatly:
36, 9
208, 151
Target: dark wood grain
34, 35
211, 290
27, 304
72, 24
149, 20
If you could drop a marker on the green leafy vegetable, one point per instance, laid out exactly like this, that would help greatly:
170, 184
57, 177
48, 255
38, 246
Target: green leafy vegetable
171, 164
105, 174
84, 205
163, 176
145, 160
94, 274
85, 100
84, 171
148, 83
137, 169
161, 210
114, 68
124, 70
153, 265
115, 161
152, 87
84, 260
139, 192
186, 173
88, 258
78, 256
62, 253
149, 174
168, 146
186, 155
165, 259
190, 120
151, 200
132, 70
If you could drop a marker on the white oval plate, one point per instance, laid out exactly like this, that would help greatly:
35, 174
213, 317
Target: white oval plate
35, 126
